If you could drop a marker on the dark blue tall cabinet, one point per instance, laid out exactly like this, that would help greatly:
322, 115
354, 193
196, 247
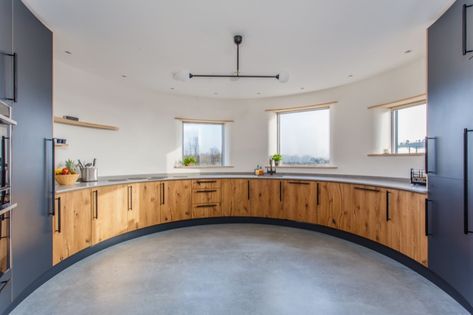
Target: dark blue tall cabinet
27, 88
450, 154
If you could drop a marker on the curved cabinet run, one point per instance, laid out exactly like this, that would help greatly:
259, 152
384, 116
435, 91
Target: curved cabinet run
390, 217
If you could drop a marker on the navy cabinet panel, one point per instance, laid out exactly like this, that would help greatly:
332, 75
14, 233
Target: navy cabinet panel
5, 47
450, 250
450, 91
31, 227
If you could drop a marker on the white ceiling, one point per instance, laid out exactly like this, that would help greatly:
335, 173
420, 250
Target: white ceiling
319, 42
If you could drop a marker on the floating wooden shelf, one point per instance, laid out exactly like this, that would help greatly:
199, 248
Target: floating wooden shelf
61, 145
395, 154
60, 120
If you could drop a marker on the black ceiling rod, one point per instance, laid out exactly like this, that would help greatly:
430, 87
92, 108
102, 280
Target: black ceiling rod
238, 39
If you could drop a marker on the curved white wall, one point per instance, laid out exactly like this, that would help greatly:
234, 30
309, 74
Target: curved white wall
148, 139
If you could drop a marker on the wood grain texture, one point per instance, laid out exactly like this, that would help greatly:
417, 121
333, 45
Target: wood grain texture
235, 198
265, 198
110, 212
208, 195
206, 210
335, 206
60, 120
4, 241
133, 206
150, 204
177, 201
75, 231
206, 184
299, 201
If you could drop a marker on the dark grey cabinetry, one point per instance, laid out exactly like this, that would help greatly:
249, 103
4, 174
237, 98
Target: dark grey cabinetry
450, 111
6, 60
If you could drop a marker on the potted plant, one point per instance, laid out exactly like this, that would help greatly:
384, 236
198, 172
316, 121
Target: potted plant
277, 158
67, 175
189, 160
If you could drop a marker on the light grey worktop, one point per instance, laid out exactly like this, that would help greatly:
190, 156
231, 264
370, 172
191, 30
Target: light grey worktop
394, 183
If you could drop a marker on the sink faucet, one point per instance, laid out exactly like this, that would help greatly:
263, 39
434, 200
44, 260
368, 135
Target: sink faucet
270, 170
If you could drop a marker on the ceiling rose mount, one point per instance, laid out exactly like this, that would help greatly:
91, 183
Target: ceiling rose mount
185, 75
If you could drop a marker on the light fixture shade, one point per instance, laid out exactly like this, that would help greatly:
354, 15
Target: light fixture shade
183, 75
283, 77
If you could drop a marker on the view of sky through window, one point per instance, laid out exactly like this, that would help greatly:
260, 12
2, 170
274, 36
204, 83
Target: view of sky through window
204, 142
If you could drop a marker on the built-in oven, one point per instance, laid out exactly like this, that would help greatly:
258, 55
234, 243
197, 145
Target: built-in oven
6, 204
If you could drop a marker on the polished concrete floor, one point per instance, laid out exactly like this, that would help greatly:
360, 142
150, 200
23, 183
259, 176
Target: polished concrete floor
238, 269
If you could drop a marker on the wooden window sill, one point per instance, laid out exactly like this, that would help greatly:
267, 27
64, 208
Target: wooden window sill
394, 154
204, 167
308, 166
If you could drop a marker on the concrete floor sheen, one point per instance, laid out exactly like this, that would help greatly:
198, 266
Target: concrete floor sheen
238, 269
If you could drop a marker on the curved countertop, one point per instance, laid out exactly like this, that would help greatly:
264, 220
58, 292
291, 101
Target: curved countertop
386, 182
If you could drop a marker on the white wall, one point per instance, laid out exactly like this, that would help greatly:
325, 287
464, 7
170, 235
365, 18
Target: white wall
148, 139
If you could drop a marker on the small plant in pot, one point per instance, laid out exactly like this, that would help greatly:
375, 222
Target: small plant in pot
189, 160
67, 175
277, 158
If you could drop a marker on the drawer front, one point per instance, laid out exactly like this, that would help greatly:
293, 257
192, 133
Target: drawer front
205, 184
201, 196
206, 210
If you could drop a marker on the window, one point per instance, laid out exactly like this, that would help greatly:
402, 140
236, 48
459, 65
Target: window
204, 142
304, 137
409, 127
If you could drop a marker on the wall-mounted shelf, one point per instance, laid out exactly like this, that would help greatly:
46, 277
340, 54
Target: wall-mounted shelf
62, 145
60, 120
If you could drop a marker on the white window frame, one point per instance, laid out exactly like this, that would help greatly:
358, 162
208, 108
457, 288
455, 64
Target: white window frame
278, 128
394, 126
222, 160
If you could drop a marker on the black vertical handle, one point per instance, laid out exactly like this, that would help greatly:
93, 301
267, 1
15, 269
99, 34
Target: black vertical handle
52, 211
388, 204
426, 156
59, 223
164, 193
280, 191
14, 57
465, 29
248, 190
96, 198
466, 228
318, 194
130, 198
427, 230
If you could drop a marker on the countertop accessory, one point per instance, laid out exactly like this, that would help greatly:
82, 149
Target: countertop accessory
67, 180
418, 177
89, 174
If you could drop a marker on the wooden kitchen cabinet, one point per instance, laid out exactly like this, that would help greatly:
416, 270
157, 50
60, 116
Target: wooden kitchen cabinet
369, 213
4, 242
235, 197
406, 226
335, 205
300, 199
72, 224
110, 212
265, 198
133, 206
150, 204
177, 200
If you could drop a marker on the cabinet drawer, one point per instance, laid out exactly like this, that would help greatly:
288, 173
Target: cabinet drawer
205, 184
206, 210
201, 196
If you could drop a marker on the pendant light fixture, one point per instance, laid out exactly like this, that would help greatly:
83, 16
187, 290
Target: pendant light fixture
185, 75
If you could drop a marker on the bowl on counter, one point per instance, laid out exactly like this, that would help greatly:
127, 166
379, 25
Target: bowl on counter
67, 180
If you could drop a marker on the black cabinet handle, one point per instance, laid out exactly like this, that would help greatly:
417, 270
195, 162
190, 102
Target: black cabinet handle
206, 191
367, 189
130, 198
14, 57
164, 193
466, 50
299, 183
59, 223
280, 191
248, 190
388, 204
206, 182
96, 198
52, 211
427, 230
317, 194
206, 206
466, 228
426, 156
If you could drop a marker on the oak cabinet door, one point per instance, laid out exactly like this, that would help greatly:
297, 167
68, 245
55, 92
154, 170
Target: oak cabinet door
72, 224
177, 200
110, 212
150, 196
133, 206
334, 205
300, 200
406, 228
235, 197
369, 216
265, 198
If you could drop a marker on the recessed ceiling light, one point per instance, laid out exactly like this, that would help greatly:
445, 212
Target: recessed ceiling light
68, 52
350, 75
124, 75
172, 88
408, 51
302, 88
258, 93
215, 93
